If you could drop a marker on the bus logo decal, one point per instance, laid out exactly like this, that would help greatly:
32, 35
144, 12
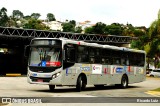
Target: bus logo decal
96, 69
119, 70
34, 75
43, 63
85, 68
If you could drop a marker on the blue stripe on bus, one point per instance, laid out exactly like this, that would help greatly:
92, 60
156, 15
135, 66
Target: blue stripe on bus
66, 71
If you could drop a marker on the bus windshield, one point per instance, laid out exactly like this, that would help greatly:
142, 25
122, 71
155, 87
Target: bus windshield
45, 57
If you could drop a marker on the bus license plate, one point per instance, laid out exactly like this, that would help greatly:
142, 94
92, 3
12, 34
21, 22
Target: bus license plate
39, 80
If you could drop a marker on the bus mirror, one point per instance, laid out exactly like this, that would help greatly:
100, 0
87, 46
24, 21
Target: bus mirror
26, 51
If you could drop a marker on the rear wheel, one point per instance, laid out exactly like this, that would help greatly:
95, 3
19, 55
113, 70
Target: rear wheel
51, 87
151, 75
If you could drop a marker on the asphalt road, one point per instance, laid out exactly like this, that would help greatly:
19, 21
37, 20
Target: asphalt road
18, 87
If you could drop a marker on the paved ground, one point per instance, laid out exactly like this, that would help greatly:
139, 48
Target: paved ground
18, 87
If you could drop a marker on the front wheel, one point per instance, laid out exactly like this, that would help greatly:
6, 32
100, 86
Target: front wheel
51, 87
124, 81
81, 84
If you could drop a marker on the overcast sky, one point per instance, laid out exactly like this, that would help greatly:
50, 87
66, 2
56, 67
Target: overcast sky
135, 12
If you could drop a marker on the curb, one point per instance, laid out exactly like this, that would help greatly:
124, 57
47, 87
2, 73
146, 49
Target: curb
154, 93
5, 104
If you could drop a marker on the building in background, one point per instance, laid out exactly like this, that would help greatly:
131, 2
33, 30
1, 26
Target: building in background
84, 24
54, 25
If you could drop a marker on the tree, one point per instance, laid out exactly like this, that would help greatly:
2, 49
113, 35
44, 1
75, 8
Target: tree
35, 15
150, 42
153, 46
114, 29
73, 22
138, 32
78, 29
3, 17
89, 30
27, 17
35, 24
17, 14
69, 26
50, 17
99, 28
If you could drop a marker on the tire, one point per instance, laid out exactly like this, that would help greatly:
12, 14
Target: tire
124, 82
151, 75
51, 87
81, 84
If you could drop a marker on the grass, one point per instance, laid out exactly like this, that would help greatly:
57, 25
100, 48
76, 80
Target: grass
158, 90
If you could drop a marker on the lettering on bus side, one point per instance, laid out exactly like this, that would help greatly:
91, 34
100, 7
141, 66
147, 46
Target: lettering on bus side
117, 69
85, 68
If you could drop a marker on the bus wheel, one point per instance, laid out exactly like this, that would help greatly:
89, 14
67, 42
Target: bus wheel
81, 84
51, 87
124, 81
151, 75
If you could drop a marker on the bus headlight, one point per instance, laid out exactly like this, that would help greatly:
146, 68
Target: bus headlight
29, 74
56, 75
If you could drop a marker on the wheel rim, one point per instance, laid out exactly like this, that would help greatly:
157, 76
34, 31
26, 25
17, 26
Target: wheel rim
124, 82
81, 84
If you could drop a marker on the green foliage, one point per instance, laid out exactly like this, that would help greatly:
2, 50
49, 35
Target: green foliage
99, 28
114, 29
27, 17
138, 32
73, 22
157, 90
78, 29
50, 17
69, 26
35, 15
154, 36
3, 17
89, 30
17, 14
147, 48
35, 24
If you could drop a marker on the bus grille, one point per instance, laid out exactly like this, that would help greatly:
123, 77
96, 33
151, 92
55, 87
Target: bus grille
40, 79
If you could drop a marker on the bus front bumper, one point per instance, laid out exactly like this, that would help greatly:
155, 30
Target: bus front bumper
42, 79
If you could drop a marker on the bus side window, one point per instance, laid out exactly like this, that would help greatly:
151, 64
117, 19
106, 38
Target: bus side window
82, 54
92, 60
103, 60
70, 53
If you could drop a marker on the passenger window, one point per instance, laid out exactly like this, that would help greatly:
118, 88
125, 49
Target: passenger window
70, 53
82, 54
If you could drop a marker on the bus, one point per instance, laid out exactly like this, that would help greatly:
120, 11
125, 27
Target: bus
66, 62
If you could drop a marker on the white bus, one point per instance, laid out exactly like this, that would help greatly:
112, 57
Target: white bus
60, 61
